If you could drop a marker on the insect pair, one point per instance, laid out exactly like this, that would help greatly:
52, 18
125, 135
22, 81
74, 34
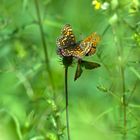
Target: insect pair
69, 47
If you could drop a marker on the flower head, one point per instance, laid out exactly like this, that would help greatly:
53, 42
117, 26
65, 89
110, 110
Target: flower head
97, 4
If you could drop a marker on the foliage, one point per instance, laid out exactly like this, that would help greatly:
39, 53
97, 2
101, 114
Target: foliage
103, 103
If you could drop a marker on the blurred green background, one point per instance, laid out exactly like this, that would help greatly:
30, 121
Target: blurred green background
103, 103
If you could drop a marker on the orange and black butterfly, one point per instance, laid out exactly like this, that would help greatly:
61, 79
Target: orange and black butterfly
68, 46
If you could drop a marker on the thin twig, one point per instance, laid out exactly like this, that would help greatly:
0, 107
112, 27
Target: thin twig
67, 109
124, 99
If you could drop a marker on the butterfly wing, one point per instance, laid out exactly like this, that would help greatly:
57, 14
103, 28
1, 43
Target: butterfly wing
91, 51
67, 37
76, 51
67, 45
80, 50
86, 47
89, 65
94, 41
78, 71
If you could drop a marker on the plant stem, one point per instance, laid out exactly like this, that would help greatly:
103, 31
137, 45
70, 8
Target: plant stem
41, 31
57, 120
124, 100
122, 73
117, 41
44, 43
67, 109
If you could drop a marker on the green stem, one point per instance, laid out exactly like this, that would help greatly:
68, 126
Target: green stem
41, 31
122, 74
67, 109
44, 42
47, 60
124, 100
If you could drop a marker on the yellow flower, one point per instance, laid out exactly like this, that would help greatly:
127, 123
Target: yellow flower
97, 4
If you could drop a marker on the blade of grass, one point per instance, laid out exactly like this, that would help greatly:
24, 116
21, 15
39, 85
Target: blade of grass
36, 2
118, 44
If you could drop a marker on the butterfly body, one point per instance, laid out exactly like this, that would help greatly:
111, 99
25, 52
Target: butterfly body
68, 46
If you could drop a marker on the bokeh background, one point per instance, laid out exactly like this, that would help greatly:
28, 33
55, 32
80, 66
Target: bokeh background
104, 103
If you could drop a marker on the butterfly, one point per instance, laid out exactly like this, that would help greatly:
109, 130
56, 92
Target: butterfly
68, 46
87, 65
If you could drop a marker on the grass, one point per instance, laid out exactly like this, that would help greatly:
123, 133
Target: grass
103, 103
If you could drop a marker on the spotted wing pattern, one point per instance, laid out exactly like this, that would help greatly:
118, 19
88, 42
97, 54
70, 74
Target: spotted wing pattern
77, 51
85, 47
67, 37
94, 42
